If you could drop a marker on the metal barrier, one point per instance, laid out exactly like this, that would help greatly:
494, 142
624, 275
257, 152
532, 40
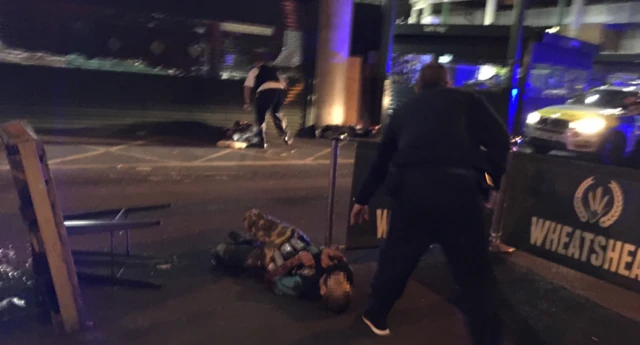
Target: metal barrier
369, 234
54, 264
580, 215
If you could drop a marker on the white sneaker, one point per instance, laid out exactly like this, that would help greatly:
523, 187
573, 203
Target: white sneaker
379, 330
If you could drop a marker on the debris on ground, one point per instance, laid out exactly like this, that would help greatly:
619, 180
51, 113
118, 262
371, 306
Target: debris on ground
328, 132
242, 134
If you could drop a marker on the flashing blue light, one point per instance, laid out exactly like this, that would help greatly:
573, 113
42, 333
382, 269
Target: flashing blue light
513, 106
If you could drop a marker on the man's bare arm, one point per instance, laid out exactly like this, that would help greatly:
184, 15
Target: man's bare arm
247, 95
283, 269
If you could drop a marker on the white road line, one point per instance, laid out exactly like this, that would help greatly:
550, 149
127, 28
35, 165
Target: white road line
186, 165
144, 157
251, 153
78, 156
323, 152
213, 156
91, 154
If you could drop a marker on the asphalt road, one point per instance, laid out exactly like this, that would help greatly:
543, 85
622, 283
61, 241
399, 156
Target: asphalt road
210, 189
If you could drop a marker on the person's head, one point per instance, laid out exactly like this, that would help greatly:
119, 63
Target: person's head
432, 75
260, 58
335, 288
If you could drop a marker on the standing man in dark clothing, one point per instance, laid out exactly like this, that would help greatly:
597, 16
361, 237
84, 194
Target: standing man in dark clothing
268, 86
427, 156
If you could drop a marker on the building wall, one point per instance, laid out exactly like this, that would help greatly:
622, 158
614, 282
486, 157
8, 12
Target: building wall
630, 41
595, 27
78, 97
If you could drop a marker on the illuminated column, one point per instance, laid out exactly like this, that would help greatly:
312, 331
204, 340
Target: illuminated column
427, 13
562, 6
414, 18
334, 43
490, 10
576, 16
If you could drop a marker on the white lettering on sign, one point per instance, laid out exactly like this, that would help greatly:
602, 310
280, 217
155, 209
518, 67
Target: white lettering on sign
382, 222
435, 28
608, 254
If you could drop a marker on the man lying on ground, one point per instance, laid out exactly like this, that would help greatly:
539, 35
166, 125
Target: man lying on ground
291, 265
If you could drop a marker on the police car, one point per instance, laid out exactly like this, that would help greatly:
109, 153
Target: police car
604, 122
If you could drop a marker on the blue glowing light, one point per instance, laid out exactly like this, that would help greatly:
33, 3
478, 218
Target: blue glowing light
513, 107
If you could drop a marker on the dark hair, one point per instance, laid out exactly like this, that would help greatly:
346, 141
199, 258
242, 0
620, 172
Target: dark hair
337, 303
341, 267
433, 74
260, 56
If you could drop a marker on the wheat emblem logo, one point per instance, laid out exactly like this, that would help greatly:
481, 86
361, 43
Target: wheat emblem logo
600, 208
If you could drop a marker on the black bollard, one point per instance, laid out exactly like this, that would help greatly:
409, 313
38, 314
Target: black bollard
335, 148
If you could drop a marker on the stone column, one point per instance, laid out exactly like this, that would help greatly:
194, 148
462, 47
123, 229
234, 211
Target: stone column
576, 17
334, 44
490, 10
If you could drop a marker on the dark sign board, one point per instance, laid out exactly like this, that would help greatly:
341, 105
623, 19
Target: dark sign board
580, 215
369, 234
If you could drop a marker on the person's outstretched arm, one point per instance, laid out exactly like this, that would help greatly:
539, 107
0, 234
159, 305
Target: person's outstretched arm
249, 83
493, 135
380, 167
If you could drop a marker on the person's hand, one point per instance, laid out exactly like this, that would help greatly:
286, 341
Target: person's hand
359, 214
329, 255
493, 200
306, 259
247, 106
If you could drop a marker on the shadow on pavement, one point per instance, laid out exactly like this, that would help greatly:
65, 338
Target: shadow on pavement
175, 133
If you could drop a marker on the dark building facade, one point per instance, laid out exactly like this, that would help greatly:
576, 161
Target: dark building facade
72, 61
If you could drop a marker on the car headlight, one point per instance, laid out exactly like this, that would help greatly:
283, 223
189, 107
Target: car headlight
589, 126
533, 118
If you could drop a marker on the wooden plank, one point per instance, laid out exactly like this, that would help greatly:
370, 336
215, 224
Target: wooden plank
54, 237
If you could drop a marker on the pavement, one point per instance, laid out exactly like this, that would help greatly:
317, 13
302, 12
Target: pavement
209, 189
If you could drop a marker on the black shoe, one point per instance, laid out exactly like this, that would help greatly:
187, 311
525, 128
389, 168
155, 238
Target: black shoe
216, 260
238, 238
377, 326
258, 146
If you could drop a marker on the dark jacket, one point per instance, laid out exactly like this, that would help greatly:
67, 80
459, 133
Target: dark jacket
266, 73
440, 129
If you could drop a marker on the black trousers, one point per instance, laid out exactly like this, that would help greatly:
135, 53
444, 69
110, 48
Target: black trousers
271, 100
444, 208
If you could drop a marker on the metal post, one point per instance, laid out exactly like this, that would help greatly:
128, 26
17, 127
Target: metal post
576, 17
335, 148
495, 243
111, 253
514, 56
562, 7
446, 11
386, 50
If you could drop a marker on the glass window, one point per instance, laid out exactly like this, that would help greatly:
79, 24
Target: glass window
549, 81
603, 98
405, 69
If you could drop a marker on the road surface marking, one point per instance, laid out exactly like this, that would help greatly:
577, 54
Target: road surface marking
137, 155
78, 156
93, 153
266, 154
323, 152
194, 165
213, 156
